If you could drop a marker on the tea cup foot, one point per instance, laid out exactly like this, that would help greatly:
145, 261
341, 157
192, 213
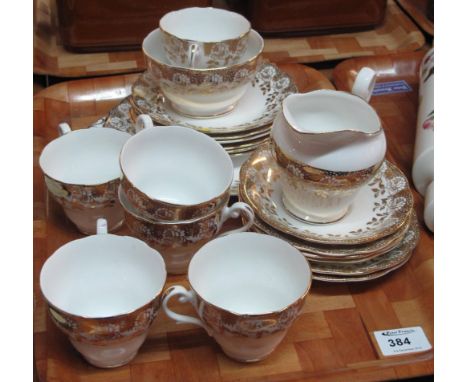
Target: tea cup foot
110, 355
197, 113
85, 220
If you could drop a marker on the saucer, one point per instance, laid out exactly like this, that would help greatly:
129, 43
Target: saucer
343, 253
388, 260
355, 279
380, 208
243, 147
258, 107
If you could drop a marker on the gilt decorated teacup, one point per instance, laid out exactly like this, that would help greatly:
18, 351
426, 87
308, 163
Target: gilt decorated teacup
207, 92
177, 241
82, 173
247, 289
104, 292
204, 37
173, 173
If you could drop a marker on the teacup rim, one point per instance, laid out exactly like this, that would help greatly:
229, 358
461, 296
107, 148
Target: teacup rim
81, 131
251, 315
239, 37
204, 70
130, 312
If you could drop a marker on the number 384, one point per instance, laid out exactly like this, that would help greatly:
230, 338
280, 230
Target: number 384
399, 342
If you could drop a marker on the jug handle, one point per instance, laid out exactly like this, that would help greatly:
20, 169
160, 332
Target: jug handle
364, 83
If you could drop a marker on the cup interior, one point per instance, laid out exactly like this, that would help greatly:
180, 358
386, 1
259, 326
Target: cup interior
177, 165
153, 47
102, 276
326, 111
204, 24
84, 157
249, 273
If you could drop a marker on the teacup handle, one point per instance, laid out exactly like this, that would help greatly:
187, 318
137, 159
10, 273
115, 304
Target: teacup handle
364, 83
143, 121
185, 296
194, 50
63, 128
101, 226
234, 212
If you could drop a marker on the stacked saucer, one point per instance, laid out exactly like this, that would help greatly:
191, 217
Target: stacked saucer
241, 130
375, 237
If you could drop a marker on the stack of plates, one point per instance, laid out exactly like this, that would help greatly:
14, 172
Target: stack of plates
240, 132
376, 236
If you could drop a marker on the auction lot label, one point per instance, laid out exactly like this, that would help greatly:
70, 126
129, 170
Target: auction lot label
402, 341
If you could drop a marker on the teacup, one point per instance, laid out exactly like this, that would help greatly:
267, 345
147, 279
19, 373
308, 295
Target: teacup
177, 241
204, 37
81, 171
174, 173
104, 292
247, 289
202, 92
329, 144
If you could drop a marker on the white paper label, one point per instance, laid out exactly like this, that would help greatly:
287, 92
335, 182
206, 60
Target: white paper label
402, 341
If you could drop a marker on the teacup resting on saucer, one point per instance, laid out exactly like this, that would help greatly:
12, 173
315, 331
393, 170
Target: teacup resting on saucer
207, 92
204, 37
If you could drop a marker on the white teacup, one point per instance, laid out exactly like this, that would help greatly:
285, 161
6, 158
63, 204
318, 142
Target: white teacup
174, 173
202, 93
82, 172
204, 37
104, 292
247, 289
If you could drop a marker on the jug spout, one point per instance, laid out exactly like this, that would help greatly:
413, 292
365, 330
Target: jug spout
330, 130
330, 112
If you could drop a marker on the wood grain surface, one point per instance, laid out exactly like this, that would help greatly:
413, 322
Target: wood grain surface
417, 10
330, 341
397, 34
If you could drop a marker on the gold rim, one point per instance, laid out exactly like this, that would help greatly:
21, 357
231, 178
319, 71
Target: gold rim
378, 263
372, 276
324, 254
212, 42
208, 42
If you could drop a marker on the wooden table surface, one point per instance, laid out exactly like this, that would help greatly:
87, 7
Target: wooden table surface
331, 340
397, 33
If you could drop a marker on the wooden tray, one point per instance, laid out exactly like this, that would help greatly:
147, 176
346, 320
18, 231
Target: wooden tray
417, 9
331, 341
397, 34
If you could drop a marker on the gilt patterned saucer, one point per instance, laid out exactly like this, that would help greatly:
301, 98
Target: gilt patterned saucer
388, 260
363, 278
341, 253
258, 107
380, 209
